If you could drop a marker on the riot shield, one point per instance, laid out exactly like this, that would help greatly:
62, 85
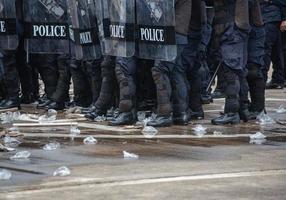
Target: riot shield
156, 29
116, 21
83, 30
8, 34
46, 26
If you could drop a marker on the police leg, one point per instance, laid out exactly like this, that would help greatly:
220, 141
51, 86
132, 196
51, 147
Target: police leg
255, 76
125, 71
193, 65
233, 51
180, 89
277, 80
11, 81
160, 73
47, 67
270, 40
107, 91
61, 95
82, 90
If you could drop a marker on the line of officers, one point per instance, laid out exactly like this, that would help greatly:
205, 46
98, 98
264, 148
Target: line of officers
235, 40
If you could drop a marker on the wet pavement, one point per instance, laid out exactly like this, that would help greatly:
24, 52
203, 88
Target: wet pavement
175, 164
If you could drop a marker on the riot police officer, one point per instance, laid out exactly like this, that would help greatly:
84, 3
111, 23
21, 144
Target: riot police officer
231, 26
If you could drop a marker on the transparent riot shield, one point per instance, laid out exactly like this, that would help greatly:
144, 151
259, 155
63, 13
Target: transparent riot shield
46, 26
156, 29
116, 21
83, 30
8, 34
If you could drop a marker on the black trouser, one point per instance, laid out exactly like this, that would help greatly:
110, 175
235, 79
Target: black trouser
61, 93
11, 81
172, 84
125, 71
108, 90
46, 64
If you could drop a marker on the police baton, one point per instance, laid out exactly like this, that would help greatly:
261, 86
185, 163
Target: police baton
213, 77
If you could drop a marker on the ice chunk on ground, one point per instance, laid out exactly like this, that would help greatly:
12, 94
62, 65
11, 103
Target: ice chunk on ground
217, 133
281, 109
62, 171
149, 132
130, 156
51, 146
11, 142
47, 119
21, 155
257, 136
74, 130
265, 119
90, 140
199, 130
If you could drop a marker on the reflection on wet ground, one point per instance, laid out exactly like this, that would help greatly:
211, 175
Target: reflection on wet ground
174, 143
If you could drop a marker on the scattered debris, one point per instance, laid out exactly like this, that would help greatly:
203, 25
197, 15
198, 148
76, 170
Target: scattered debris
5, 174
217, 133
149, 132
90, 140
52, 112
51, 146
281, 109
62, 171
11, 142
21, 155
130, 156
74, 130
9, 117
265, 119
257, 136
47, 119
200, 131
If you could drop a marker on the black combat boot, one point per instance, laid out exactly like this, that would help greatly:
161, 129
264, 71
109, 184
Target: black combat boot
229, 118
196, 115
44, 104
181, 118
10, 103
94, 114
56, 105
161, 121
124, 118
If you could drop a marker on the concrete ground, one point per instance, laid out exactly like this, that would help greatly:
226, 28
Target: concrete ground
176, 164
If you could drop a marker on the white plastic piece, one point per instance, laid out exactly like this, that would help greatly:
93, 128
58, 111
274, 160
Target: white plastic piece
11, 142
130, 156
52, 112
47, 119
21, 155
52, 146
74, 130
200, 131
149, 132
217, 133
62, 171
265, 119
90, 140
281, 109
257, 136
